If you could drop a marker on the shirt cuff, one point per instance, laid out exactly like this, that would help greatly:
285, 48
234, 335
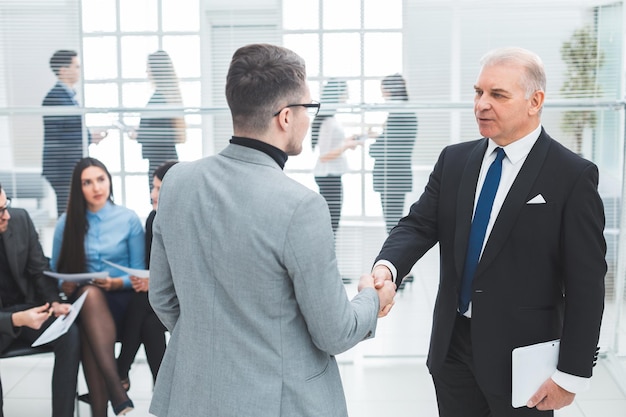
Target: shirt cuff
572, 383
394, 271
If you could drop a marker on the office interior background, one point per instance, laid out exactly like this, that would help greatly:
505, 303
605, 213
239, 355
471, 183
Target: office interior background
435, 44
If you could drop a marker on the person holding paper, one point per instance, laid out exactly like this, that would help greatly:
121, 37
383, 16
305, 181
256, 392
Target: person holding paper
519, 223
92, 231
30, 303
141, 323
243, 270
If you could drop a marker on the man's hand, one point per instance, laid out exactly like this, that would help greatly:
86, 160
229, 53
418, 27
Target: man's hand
550, 396
33, 317
381, 274
386, 292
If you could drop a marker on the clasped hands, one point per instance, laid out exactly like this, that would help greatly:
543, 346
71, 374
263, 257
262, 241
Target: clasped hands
381, 280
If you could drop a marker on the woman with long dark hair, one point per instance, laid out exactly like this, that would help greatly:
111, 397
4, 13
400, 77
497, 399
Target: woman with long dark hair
94, 230
328, 136
159, 134
392, 152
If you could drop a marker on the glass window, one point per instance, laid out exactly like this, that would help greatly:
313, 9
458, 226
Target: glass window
383, 54
135, 50
344, 14
185, 54
99, 58
99, 16
180, 15
139, 15
341, 54
298, 14
383, 14
101, 95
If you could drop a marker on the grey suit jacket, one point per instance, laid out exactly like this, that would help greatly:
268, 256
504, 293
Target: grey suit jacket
27, 263
244, 275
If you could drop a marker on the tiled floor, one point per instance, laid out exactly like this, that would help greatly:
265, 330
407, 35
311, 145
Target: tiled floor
383, 376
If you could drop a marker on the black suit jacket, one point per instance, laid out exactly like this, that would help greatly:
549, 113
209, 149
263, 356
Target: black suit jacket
27, 263
63, 137
541, 275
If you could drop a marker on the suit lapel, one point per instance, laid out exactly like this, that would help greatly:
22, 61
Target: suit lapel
465, 203
515, 201
9, 248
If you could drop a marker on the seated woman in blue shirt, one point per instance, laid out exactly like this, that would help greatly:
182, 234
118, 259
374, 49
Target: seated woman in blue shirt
93, 230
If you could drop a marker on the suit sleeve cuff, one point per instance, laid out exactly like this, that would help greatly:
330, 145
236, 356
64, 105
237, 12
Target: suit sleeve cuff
394, 271
571, 383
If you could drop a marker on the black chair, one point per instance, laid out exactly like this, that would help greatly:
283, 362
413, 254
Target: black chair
20, 348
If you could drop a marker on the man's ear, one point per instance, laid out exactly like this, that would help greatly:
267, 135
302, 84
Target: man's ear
285, 118
536, 101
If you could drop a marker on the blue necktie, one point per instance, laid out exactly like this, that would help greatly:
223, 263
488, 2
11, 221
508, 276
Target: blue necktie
479, 228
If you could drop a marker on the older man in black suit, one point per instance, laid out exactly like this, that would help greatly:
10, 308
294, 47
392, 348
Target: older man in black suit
29, 303
520, 227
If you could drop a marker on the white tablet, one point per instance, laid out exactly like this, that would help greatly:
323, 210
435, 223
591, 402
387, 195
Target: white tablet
532, 366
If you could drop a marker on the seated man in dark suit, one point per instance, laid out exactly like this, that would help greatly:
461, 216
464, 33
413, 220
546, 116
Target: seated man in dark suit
29, 303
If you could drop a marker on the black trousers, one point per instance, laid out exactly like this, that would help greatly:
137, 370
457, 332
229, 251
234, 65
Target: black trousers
458, 392
62, 190
66, 362
331, 188
393, 207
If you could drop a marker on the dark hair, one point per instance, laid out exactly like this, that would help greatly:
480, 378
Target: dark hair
72, 257
163, 74
396, 86
61, 58
332, 92
162, 169
262, 78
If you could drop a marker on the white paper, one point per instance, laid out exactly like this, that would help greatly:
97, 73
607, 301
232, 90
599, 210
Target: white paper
77, 278
532, 366
139, 273
62, 324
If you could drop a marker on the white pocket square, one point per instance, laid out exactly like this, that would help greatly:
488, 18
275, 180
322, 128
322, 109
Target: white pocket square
538, 199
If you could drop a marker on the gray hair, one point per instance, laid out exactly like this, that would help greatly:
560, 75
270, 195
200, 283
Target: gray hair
534, 76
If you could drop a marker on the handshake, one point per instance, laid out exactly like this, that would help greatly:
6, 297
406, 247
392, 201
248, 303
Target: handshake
382, 281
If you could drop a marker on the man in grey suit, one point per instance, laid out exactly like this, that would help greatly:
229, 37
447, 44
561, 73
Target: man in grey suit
243, 268
30, 302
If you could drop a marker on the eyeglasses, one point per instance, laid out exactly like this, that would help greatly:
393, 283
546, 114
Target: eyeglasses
3, 209
312, 108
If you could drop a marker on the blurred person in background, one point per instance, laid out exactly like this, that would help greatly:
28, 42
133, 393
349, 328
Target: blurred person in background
392, 152
328, 137
63, 134
160, 131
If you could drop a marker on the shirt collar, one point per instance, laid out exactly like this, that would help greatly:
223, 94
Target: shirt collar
70, 91
276, 154
100, 214
518, 150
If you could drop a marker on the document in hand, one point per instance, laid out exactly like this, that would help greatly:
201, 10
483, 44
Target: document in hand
532, 366
80, 278
139, 273
62, 324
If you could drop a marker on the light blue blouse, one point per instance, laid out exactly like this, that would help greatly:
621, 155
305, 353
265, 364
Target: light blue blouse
115, 234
